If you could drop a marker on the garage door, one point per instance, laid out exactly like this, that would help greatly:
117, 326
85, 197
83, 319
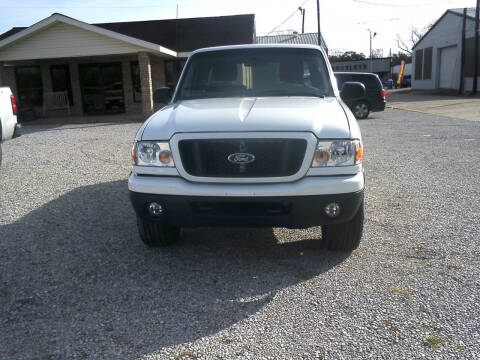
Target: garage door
448, 59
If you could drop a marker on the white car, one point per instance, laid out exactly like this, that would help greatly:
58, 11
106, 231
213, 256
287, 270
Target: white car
253, 136
9, 128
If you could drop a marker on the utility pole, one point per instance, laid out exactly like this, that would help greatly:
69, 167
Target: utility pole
475, 64
302, 11
318, 24
371, 59
462, 60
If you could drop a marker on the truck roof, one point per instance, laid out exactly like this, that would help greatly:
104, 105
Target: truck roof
258, 46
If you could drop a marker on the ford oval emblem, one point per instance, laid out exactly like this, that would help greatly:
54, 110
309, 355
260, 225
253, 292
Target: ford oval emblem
241, 158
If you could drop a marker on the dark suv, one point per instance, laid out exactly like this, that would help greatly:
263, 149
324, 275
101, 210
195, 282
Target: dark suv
374, 99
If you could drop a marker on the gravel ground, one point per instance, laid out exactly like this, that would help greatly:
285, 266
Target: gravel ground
76, 281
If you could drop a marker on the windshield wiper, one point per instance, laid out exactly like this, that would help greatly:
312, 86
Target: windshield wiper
203, 88
291, 93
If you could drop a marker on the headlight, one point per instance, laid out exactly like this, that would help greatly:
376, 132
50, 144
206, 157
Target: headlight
150, 153
338, 153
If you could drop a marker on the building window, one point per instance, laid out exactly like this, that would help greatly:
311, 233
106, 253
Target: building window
136, 83
173, 69
170, 73
29, 85
60, 75
419, 64
427, 63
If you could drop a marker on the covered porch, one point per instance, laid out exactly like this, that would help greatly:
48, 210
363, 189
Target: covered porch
94, 85
92, 70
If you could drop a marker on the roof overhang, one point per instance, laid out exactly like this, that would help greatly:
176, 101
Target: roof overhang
449, 11
59, 18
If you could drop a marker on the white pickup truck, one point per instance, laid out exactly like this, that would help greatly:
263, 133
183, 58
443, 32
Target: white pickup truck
9, 128
253, 136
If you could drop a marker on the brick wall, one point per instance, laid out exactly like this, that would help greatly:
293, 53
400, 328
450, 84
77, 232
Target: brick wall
146, 81
77, 107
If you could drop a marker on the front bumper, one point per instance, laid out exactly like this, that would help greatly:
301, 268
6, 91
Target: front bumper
295, 205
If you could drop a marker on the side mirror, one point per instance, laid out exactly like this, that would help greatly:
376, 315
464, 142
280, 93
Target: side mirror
162, 95
352, 91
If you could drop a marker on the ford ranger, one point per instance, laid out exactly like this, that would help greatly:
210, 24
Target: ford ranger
252, 136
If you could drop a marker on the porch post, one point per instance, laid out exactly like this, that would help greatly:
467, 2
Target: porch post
46, 83
145, 68
77, 108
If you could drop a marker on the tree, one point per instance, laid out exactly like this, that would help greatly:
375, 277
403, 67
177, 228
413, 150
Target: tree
406, 45
347, 56
377, 53
398, 57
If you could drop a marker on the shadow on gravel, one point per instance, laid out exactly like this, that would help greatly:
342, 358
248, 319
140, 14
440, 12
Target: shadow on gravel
76, 281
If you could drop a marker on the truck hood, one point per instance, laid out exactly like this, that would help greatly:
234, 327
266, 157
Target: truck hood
324, 117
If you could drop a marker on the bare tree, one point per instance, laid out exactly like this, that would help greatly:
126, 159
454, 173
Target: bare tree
414, 36
377, 53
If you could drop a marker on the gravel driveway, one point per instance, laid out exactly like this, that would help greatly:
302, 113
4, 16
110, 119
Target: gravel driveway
76, 281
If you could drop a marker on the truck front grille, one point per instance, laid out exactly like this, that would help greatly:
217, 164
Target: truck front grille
273, 157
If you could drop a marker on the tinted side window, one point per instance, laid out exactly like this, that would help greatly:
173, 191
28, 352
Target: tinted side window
370, 82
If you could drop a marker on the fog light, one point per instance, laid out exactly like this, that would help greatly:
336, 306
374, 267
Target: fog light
332, 210
155, 209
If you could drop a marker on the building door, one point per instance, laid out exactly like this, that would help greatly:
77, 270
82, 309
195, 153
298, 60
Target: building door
102, 88
448, 59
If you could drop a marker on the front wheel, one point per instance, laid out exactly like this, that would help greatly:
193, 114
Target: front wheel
154, 234
346, 236
361, 110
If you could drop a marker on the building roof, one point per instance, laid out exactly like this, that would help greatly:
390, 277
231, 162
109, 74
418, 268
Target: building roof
10, 32
294, 38
182, 35
60, 18
458, 11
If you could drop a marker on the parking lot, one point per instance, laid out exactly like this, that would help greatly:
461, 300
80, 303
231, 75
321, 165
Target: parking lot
77, 282
444, 103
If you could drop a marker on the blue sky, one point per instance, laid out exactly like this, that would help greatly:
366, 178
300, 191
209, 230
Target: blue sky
344, 22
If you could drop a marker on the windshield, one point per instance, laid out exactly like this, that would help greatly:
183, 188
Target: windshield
255, 72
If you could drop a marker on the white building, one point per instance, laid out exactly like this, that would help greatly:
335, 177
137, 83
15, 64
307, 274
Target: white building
379, 66
437, 55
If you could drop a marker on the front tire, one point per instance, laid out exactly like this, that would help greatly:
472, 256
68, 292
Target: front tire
154, 234
346, 236
361, 110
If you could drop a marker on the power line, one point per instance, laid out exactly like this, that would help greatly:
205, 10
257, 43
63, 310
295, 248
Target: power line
404, 6
366, 22
288, 18
87, 7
